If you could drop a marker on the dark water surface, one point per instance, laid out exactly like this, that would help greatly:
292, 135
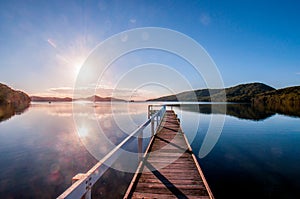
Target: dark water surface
257, 153
256, 157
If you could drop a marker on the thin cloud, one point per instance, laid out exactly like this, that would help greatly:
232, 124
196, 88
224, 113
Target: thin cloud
205, 19
66, 90
298, 73
132, 20
104, 92
100, 91
52, 43
63, 59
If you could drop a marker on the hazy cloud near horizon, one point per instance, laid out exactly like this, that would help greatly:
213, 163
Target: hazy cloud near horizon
102, 92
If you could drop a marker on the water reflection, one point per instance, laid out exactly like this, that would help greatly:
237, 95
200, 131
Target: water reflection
259, 154
286, 108
8, 110
40, 154
242, 111
42, 150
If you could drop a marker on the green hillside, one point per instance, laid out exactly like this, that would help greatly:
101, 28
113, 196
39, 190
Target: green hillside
239, 93
285, 101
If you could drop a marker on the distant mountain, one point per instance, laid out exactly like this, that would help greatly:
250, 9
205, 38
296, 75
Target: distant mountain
97, 98
94, 98
50, 99
12, 102
239, 93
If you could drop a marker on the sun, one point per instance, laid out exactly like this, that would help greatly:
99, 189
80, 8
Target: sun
77, 64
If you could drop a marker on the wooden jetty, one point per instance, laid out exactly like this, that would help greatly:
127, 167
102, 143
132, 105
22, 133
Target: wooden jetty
169, 168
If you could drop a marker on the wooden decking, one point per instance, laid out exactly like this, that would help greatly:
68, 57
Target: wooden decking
169, 169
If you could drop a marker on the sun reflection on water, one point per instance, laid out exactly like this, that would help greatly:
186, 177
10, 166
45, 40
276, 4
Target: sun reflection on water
82, 132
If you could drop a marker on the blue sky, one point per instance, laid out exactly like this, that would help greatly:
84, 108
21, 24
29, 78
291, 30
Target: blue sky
44, 43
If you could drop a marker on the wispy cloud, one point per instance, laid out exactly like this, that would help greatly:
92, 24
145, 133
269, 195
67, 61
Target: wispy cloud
52, 43
66, 90
298, 73
63, 59
133, 20
205, 19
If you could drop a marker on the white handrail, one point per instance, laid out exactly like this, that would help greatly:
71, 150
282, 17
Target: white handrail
82, 187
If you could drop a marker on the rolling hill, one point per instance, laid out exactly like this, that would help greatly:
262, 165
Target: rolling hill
285, 101
240, 93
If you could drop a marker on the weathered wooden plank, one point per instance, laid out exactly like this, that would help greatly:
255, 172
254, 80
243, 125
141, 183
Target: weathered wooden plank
177, 157
171, 140
171, 160
168, 150
171, 143
170, 177
165, 190
177, 171
152, 196
165, 166
163, 196
174, 181
143, 185
174, 145
162, 154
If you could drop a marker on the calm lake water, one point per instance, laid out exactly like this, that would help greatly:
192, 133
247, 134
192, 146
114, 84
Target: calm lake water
257, 153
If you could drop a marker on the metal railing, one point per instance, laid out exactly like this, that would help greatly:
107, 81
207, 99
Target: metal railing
83, 183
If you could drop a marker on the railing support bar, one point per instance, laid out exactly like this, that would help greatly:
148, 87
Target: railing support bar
152, 126
79, 176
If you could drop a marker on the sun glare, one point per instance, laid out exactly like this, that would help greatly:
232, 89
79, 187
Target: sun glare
82, 132
77, 67
72, 57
